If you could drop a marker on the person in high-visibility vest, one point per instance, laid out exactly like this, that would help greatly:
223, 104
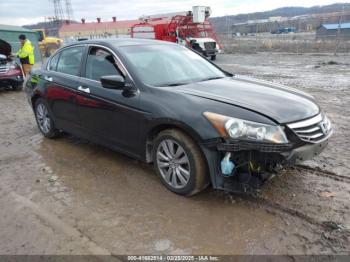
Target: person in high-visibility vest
26, 54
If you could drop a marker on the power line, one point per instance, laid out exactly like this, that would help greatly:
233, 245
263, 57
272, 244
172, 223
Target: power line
58, 9
63, 13
69, 10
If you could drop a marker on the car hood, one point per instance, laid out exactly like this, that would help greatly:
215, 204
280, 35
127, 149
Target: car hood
5, 48
275, 101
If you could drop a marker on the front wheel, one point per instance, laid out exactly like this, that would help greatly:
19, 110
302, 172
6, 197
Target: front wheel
213, 57
44, 119
17, 87
180, 163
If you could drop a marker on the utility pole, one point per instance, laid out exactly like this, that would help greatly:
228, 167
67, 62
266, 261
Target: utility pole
227, 27
58, 9
298, 32
63, 13
69, 11
256, 36
339, 31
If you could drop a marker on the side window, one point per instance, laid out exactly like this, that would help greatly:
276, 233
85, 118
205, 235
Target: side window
100, 63
70, 61
53, 62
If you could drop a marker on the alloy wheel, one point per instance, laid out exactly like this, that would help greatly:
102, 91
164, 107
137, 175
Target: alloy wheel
173, 163
43, 118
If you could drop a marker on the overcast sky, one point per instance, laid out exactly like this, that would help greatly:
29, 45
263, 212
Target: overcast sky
20, 12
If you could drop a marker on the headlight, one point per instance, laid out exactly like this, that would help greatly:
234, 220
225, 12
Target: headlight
242, 129
12, 65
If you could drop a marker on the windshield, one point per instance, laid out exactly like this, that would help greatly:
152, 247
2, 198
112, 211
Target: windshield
169, 65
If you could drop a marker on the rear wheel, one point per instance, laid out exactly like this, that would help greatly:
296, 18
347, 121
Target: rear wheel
179, 163
213, 57
44, 119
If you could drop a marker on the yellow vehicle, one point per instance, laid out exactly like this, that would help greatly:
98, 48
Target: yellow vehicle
47, 45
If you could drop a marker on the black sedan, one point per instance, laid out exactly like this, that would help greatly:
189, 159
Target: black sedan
167, 105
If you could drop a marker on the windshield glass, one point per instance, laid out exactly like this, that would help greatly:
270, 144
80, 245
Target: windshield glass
166, 65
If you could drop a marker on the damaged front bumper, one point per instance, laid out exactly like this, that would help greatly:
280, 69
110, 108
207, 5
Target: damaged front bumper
13, 77
303, 153
255, 163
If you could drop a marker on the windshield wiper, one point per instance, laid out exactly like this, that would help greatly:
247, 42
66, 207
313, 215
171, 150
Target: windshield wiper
185, 83
177, 84
211, 78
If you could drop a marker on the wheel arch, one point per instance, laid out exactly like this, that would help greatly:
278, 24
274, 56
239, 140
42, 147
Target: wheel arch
34, 98
159, 127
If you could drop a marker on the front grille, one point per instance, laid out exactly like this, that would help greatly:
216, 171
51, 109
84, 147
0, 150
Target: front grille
312, 130
209, 45
3, 69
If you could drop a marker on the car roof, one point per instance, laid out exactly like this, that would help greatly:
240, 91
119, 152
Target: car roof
119, 42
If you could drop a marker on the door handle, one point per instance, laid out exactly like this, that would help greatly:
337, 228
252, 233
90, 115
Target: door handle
84, 89
48, 78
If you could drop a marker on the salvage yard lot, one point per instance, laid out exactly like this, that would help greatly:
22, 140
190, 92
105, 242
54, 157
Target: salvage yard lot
68, 196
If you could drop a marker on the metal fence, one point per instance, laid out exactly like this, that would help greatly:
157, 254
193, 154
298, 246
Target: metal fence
292, 43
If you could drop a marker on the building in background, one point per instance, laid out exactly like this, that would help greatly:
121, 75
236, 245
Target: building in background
98, 29
331, 31
10, 34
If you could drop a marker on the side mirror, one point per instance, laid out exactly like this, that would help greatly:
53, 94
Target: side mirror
113, 82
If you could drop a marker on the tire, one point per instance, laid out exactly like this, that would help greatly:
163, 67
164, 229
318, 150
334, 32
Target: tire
184, 173
17, 87
44, 119
213, 57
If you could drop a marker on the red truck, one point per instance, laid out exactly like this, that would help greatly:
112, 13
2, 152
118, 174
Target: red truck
191, 29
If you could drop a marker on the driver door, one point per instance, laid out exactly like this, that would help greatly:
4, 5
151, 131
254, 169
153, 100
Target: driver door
107, 115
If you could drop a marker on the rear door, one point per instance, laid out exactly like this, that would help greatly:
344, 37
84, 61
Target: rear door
62, 78
109, 115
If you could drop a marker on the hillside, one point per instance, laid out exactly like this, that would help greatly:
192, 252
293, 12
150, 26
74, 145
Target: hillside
50, 27
220, 23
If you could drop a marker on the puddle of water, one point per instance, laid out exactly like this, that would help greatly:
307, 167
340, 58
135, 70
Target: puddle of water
122, 204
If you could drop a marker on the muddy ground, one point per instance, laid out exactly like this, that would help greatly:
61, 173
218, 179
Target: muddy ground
68, 196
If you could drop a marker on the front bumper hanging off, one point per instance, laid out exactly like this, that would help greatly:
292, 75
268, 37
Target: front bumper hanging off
255, 162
